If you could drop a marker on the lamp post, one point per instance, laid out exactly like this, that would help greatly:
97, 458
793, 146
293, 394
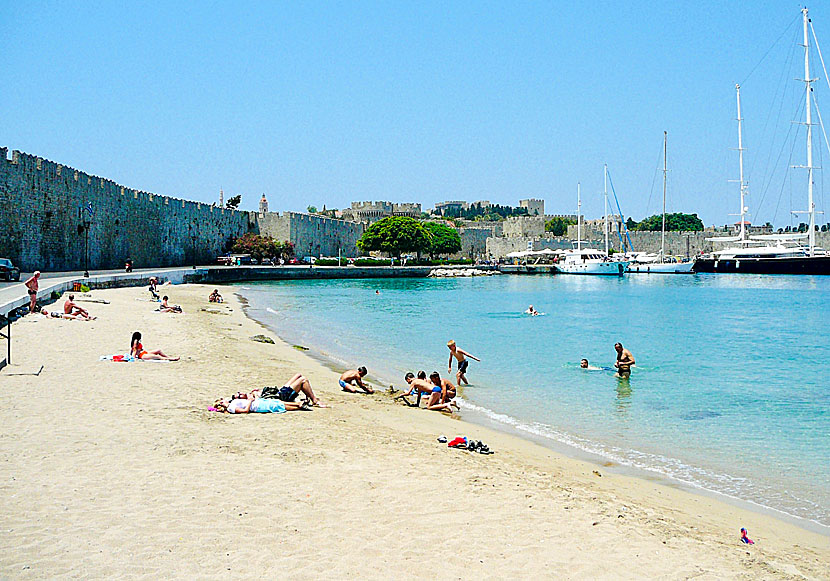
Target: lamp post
86, 220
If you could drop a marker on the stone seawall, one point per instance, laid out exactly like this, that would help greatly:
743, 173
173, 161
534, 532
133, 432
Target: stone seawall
44, 210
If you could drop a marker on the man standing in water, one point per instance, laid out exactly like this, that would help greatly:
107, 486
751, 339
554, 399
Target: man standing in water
460, 355
624, 360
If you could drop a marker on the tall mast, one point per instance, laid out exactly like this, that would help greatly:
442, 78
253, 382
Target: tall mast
578, 217
663, 229
808, 82
605, 189
741, 163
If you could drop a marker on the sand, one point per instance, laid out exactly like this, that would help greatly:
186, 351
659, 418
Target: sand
118, 470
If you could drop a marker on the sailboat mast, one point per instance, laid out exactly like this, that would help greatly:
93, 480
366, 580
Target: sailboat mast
663, 229
605, 189
741, 163
809, 93
578, 217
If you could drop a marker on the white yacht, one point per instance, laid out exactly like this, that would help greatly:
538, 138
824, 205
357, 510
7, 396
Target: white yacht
660, 263
588, 260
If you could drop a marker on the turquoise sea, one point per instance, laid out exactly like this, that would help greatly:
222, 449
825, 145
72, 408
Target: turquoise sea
731, 392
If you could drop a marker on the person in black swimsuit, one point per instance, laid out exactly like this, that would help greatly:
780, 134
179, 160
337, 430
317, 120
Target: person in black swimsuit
461, 356
624, 360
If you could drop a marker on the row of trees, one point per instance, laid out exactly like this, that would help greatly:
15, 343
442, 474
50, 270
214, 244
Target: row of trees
400, 235
490, 213
260, 247
676, 221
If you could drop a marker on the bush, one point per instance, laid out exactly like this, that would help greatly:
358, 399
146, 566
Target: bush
372, 262
329, 262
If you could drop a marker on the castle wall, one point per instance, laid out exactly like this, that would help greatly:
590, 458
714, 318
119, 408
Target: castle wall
42, 221
313, 235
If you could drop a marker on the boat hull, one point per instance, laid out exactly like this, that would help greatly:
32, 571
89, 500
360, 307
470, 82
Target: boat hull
788, 265
593, 268
661, 268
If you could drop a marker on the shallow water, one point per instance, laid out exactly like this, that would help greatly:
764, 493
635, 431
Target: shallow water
731, 391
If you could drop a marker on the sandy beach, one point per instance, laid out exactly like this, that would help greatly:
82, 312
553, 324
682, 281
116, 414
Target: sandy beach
118, 470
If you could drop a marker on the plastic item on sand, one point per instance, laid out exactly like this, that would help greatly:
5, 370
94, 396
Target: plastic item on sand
442, 439
746, 539
458, 442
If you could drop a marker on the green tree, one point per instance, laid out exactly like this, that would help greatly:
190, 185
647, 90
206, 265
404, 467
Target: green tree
559, 226
395, 235
674, 222
445, 239
312, 209
260, 247
233, 202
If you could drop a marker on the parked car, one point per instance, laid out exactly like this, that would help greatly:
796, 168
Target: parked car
297, 261
8, 271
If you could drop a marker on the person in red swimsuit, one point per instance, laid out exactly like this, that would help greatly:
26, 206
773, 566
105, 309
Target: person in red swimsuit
137, 350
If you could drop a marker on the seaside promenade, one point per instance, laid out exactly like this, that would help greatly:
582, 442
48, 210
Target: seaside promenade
118, 470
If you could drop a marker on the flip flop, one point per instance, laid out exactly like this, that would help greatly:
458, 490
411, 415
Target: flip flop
442, 439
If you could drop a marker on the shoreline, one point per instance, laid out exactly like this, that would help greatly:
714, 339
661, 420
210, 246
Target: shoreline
118, 469
481, 419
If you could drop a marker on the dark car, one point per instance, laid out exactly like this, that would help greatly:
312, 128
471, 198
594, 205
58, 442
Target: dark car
8, 271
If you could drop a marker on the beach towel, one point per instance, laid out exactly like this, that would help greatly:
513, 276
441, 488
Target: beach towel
126, 358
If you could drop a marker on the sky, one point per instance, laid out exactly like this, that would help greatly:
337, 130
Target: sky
328, 103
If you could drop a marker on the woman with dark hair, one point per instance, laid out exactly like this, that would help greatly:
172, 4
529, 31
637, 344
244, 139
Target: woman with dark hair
137, 350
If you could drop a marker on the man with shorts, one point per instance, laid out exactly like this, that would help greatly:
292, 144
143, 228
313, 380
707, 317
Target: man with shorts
32, 286
70, 308
354, 377
624, 362
289, 392
461, 356
448, 390
426, 387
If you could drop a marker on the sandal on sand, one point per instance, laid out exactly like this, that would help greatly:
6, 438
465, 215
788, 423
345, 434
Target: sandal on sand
306, 406
320, 405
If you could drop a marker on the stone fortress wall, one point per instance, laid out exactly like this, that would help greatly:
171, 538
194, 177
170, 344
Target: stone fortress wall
42, 221
313, 235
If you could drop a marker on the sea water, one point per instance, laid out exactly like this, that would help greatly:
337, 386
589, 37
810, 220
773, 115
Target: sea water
731, 391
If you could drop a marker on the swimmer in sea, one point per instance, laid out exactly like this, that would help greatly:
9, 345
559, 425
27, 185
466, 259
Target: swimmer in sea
531, 311
584, 365
624, 362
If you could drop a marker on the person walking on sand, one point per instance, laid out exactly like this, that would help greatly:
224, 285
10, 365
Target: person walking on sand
32, 286
624, 362
354, 377
461, 356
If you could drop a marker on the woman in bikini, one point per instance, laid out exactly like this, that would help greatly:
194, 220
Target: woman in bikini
137, 350
257, 405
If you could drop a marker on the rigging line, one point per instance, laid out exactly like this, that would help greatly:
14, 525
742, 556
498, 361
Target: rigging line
782, 88
624, 227
797, 17
766, 187
653, 179
818, 49
821, 123
784, 182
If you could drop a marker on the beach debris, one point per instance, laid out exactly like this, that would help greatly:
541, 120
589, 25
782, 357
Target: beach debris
263, 339
597, 473
463, 272
298, 347
744, 538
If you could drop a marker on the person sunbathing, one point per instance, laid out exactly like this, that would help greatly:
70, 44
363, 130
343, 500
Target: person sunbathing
137, 350
215, 297
168, 308
57, 315
257, 406
70, 307
291, 389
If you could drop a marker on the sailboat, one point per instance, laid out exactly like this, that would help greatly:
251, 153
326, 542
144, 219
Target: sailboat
661, 264
773, 253
589, 260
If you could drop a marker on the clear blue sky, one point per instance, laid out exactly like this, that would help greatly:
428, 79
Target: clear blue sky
333, 102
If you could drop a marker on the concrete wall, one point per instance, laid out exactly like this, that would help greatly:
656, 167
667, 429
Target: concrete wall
41, 226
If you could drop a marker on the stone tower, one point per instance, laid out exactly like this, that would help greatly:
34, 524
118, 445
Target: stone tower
221, 198
263, 205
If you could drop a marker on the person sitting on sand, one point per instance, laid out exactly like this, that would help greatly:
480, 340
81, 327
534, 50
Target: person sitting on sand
215, 297
531, 311
168, 308
354, 377
71, 308
291, 389
423, 386
137, 350
57, 315
448, 391
257, 406
624, 362
461, 356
